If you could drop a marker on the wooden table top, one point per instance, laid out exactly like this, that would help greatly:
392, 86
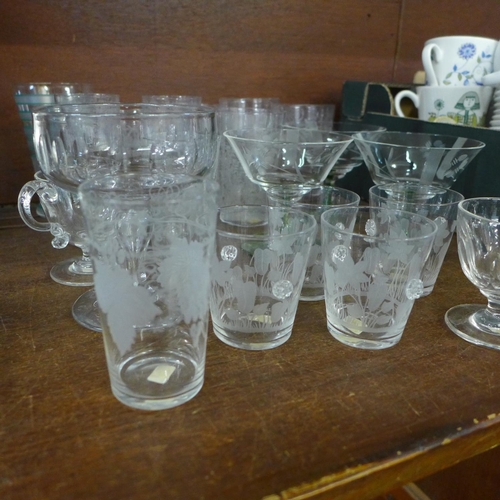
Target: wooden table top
312, 419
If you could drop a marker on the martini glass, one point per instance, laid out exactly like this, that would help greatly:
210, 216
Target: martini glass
417, 157
287, 162
78, 142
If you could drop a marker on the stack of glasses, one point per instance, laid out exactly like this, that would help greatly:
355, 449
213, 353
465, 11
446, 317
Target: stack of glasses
189, 211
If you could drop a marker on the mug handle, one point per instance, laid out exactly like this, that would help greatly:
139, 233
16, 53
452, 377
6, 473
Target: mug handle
24, 205
492, 79
402, 95
427, 51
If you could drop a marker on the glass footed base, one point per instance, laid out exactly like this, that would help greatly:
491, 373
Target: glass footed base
86, 312
64, 274
460, 320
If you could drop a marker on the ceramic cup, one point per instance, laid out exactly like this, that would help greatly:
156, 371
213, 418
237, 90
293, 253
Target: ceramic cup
464, 105
458, 61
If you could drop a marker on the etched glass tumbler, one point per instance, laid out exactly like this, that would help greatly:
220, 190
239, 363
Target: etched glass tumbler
373, 262
478, 237
438, 204
315, 202
151, 241
78, 142
258, 271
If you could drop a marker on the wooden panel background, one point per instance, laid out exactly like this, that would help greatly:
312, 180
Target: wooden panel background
297, 50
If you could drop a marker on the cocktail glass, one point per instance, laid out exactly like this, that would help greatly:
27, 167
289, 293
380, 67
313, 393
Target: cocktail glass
418, 157
287, 162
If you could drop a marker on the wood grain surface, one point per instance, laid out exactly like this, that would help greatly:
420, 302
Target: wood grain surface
312, 419
297, 50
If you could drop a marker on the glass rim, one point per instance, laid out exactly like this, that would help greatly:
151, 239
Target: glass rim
233, 134
364, 137
26, 85
125, 110
384, 238
462, 207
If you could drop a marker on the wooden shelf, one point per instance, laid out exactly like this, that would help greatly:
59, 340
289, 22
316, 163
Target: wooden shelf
312, 419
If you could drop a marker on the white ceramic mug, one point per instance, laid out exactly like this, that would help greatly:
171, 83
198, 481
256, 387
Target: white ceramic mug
458, 61
463, 105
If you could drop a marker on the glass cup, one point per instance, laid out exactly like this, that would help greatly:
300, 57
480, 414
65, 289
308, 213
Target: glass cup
373, 262
78, 142
243, 113
314, 116
65, 223
438, 204
151, 241
478, 237
258, 272
29, 96
315, 202
416, 157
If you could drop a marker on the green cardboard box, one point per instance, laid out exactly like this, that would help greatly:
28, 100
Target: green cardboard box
373, 103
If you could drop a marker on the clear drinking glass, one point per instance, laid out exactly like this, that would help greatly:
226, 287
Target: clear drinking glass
75, 143
478, 237
64, 221
313, 116
373, 262
416, 157
436, 203
29, 96
249, 114
152, 241
287, 162
258, 271
314, 203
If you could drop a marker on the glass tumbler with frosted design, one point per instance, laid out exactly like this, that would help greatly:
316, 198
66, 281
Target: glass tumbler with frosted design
438, 204
373, 262
77, 142
259, 267
315, 202
478, 237
151, 241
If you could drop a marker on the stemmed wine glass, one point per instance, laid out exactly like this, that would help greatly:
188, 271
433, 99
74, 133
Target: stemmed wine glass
287, 162
77, 142
478, 237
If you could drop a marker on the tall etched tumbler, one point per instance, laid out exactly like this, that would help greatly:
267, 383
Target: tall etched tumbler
373, 263
151, 240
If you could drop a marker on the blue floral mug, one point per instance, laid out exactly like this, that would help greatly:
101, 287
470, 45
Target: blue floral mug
458, 61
